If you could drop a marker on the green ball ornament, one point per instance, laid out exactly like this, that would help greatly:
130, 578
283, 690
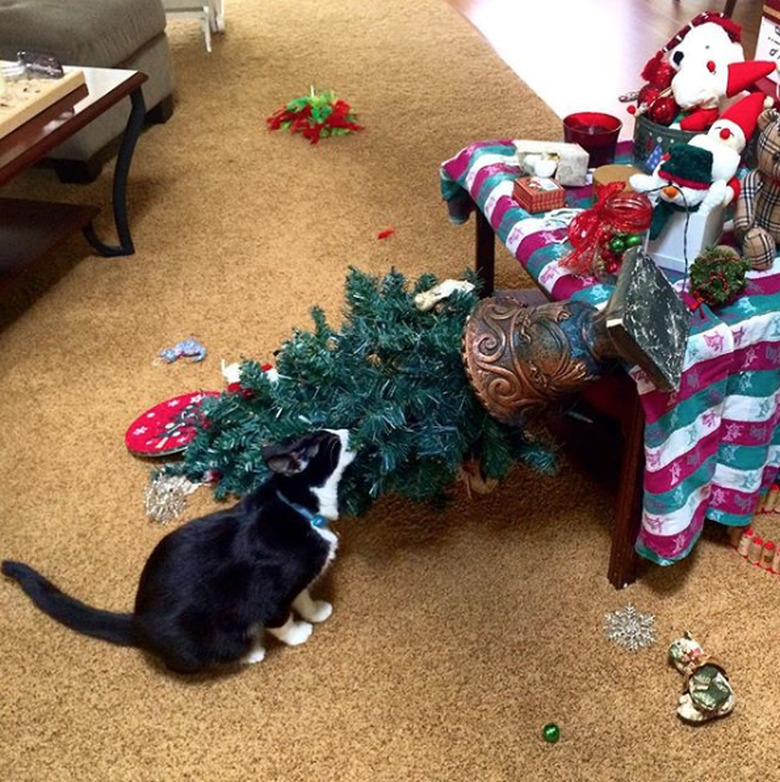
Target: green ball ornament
617, 244
634, 240
551, 733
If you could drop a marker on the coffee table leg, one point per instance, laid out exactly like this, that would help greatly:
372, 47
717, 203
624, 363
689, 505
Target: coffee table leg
486, 253
121, 171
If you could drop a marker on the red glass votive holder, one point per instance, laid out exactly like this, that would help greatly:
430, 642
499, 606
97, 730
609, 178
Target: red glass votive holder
595, 132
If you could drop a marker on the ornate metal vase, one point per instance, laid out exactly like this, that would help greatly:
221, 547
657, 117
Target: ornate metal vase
520, 357
521, 354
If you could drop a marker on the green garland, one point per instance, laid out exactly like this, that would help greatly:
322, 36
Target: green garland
392, 375
718, 276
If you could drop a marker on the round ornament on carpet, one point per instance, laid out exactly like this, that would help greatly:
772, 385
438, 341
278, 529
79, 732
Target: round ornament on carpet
167, 427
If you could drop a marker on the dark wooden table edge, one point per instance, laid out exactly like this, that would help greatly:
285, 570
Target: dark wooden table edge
39, 150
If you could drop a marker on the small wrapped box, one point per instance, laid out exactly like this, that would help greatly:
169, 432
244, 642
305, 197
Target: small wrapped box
538, 194
569, 161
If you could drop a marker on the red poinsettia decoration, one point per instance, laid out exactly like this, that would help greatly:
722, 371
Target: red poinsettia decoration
315, 116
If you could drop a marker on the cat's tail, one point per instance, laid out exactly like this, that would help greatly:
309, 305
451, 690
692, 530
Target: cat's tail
106, 625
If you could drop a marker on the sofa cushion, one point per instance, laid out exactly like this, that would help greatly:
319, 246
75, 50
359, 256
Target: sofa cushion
100, 33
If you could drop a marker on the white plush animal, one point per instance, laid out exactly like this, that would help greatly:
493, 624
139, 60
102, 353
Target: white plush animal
710, 66
702, 59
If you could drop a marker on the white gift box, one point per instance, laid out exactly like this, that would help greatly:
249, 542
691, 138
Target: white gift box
571, 160
686, 235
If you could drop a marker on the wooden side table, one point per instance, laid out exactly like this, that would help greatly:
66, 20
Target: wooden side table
210, 13
614, 397
711, 445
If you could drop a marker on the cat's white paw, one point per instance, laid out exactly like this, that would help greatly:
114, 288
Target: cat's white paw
312, 610
298, 634
256, 655
320, 611
292, 633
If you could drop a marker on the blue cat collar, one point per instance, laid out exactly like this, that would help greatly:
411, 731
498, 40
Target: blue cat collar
317, 520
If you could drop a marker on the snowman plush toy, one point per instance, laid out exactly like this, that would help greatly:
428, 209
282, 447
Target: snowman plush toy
682, 182
702, 174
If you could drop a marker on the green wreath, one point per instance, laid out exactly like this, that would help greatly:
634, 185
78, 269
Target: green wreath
718, 276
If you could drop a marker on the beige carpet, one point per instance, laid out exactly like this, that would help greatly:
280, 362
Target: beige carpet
455, 638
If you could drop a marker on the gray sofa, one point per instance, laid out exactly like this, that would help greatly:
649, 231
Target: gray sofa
100, 33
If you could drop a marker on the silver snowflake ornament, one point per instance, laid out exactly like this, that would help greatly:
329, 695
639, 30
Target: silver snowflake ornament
630, 629
165, 496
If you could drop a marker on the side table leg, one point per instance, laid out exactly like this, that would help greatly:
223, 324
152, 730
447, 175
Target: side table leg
121, 170
486, 253
628, 511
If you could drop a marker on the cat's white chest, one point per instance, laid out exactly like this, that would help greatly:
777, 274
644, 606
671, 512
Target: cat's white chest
331, 539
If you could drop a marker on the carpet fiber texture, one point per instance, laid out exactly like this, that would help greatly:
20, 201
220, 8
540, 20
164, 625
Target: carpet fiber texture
455, 636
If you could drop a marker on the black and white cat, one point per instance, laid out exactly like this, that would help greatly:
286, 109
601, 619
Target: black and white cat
210, 588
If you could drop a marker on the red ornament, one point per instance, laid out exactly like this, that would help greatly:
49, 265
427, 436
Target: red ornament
663, 111
648, 95
658, 71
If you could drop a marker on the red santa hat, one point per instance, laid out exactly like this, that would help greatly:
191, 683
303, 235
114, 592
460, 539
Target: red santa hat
732, 28
740, 118
742, 75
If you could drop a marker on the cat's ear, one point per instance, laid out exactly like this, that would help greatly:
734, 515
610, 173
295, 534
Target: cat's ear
290, 459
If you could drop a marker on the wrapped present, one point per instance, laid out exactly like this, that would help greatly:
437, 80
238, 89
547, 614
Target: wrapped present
569, 161
538, 194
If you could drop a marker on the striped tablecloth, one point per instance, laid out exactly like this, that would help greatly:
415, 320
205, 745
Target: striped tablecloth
713, 447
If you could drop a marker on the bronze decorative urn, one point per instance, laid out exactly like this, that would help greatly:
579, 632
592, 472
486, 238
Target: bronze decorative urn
521, 354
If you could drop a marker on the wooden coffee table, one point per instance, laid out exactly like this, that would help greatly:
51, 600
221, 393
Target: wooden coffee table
30, 229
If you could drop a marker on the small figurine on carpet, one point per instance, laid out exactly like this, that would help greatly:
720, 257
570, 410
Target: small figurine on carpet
707, 693
315, 116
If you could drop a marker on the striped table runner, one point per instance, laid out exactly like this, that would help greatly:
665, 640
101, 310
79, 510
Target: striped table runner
712, 448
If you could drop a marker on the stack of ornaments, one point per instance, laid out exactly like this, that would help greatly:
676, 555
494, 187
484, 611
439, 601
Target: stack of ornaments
759, 549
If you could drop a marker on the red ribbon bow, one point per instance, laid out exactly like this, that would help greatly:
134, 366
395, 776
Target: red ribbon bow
615, 211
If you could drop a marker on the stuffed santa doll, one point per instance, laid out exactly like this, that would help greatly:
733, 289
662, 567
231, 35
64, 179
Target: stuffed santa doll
728, 136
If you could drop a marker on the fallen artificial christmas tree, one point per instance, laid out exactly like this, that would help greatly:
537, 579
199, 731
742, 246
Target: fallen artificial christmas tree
393, 375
